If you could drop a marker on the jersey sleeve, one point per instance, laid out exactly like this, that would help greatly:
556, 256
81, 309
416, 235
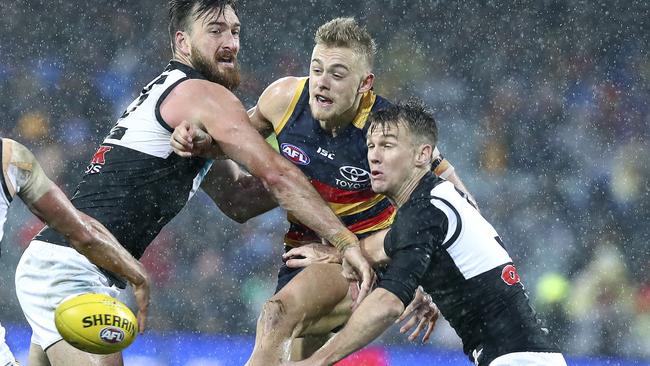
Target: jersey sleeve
410, 244
25, 176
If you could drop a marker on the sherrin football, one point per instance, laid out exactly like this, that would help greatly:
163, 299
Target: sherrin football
96, 323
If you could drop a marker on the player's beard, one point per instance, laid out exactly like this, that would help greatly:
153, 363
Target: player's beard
228, 77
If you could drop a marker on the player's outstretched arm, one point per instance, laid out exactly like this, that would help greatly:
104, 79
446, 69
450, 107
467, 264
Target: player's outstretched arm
373, 316
84, 233
221, 114
239, 195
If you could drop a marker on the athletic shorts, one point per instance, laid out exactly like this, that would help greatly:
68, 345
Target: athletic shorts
6, 357
285, 275
46, 275
529, 359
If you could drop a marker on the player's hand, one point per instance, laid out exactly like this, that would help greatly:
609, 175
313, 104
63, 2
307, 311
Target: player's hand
188, 141
357, 268
141, 291
423, 312
307, 254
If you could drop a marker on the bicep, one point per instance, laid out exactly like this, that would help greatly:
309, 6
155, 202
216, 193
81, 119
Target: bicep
260, 122
410, 245
239, 140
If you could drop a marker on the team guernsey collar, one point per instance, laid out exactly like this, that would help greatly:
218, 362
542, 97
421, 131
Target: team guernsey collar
367, 101
176, 65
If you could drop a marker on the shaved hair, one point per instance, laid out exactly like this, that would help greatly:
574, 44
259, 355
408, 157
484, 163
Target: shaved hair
346, 32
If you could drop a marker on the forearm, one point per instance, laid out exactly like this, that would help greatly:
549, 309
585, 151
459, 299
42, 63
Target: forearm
103, 249
375, 314
238, 195
295, 194
86, 235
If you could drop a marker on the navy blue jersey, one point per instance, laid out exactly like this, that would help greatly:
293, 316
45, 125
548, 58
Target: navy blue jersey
336, 166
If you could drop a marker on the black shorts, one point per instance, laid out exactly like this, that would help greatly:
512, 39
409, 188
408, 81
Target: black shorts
285, 275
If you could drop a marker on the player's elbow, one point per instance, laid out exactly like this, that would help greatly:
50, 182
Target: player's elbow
274, 179
236, 210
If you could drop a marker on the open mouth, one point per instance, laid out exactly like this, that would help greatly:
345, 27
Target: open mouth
323, 100
226, 61
375, 174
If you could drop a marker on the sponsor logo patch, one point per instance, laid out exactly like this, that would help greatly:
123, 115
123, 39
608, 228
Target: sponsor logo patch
509, 275
294, 154
354, 174
98, 160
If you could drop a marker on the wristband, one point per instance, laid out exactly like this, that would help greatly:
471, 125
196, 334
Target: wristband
344, 239
436, 162
443, 168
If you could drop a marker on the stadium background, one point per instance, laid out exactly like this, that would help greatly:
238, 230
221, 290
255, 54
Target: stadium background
543, 109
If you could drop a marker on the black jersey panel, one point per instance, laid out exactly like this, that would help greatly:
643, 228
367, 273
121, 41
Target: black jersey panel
134, 195
418, 229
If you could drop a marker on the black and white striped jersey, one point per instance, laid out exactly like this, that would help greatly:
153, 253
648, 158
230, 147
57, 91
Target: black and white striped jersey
440, 241
134, 183
5, 194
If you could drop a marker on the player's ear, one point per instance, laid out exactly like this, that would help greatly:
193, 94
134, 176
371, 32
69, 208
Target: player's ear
423, 155
366, 83
182, 42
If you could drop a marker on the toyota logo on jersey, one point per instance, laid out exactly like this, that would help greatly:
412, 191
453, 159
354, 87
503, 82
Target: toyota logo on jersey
354, 174
294, 154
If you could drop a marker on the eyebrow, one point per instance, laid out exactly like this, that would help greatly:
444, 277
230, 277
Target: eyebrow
220, 23
332, 66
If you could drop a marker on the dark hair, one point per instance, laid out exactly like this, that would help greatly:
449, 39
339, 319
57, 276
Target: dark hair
414, 115
181, 10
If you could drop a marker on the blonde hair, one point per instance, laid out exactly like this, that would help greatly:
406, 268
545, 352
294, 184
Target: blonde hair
346, 32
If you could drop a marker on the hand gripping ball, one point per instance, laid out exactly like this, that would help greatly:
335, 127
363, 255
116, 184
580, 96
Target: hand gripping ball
96, 323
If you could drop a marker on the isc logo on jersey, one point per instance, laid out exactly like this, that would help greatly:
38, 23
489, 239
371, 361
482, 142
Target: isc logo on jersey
96, 323
295, 154
98, 160
355, 178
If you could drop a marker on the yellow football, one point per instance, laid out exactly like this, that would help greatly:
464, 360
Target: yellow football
96, 323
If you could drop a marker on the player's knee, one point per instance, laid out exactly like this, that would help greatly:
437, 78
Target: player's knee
274, 316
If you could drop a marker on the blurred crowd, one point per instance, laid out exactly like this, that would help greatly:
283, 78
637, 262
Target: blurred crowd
543, 109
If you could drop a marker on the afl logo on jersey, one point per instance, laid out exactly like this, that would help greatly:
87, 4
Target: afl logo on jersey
295, 154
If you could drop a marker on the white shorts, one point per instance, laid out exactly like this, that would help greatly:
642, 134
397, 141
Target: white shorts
45, 276
529, 359
6, 358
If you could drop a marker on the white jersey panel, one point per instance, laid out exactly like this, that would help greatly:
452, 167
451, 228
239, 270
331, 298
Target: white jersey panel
141, 128
4, 206
467, 232
5, 199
